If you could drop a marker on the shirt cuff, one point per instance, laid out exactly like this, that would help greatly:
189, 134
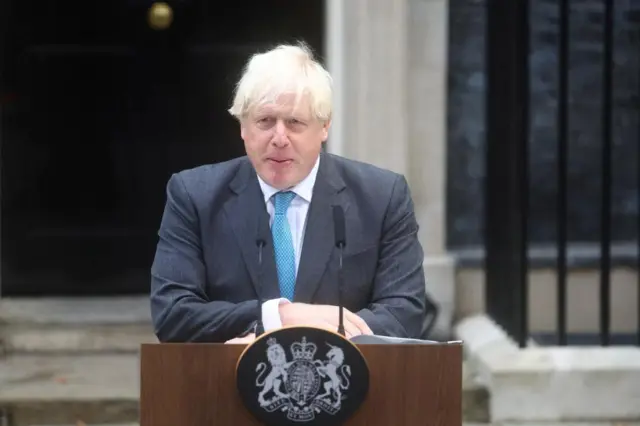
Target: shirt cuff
271, 314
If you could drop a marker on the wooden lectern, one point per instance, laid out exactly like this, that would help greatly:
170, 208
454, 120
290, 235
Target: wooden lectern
195, 385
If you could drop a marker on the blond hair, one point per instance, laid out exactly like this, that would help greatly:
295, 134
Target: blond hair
285, 69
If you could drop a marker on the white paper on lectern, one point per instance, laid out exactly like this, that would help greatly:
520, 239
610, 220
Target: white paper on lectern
377, 339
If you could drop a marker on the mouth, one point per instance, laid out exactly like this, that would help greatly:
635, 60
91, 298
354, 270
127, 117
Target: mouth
279, 161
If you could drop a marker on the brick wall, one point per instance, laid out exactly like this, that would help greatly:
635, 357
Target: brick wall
466, 120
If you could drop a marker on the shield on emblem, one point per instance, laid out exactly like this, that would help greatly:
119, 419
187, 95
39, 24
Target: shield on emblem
304, 381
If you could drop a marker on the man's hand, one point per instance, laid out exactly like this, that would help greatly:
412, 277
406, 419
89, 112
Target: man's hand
323, 316
242, 340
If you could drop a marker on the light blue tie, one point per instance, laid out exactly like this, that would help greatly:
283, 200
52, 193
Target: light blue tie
283, 244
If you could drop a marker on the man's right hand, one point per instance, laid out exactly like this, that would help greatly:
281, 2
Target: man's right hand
323, 316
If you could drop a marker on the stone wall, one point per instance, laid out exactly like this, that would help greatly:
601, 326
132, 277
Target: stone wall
466, 121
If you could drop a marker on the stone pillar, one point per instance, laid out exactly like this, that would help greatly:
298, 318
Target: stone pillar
389, 62
370, 77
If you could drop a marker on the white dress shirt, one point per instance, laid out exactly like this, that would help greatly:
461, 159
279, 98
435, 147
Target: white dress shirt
297, 218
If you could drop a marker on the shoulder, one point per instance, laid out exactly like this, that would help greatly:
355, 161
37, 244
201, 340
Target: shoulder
208, 172
365, 176
379, 194
205, 182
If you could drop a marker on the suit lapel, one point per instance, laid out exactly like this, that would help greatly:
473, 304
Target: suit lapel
319, 239
246, 212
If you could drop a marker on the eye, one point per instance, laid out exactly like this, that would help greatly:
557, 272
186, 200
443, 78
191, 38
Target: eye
264, 122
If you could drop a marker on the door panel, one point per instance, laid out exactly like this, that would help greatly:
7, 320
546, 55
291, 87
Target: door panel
98, 110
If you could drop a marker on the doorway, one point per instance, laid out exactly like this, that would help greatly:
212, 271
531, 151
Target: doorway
98, 110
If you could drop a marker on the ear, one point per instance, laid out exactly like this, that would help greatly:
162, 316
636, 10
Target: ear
243, 130
325, 130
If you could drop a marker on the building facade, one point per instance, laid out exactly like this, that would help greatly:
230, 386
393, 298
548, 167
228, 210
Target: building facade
409, 96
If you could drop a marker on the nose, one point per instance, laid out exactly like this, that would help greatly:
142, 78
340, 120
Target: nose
280, 135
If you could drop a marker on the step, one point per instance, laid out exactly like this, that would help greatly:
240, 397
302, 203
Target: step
73, 324
62, 389
475, 398
92, 389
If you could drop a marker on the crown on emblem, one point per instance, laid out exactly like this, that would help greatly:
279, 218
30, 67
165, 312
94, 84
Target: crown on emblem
271, 341
303, 350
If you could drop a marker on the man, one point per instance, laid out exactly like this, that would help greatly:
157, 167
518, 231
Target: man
206, 278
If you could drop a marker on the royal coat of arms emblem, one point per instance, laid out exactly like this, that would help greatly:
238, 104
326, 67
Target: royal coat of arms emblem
303, 384
303, 378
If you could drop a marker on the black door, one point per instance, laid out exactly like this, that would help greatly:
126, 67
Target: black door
98, 109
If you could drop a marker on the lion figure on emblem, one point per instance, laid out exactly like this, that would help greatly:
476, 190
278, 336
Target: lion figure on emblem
276, 377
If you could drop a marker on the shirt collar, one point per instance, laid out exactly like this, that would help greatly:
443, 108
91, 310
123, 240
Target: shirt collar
304, 189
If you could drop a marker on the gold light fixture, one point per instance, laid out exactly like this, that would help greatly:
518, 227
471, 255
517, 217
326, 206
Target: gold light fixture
160, 16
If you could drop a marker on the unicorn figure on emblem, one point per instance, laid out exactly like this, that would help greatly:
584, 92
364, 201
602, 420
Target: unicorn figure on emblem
337, 373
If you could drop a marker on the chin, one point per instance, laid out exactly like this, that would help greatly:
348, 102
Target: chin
282, 181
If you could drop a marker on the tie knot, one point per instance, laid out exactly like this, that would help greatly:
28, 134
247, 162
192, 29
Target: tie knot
282, 201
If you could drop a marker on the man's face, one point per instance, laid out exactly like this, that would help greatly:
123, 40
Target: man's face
283, 140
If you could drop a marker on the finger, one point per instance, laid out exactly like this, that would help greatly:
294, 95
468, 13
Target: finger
358, 322
351, 329
321, 323
330, 314
321, 317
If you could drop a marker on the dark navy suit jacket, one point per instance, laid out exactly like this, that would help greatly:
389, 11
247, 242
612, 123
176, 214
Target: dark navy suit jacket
205, 275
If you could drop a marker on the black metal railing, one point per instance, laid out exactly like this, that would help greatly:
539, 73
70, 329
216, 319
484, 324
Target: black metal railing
507, 130
605, 204
563, 136
507, 173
